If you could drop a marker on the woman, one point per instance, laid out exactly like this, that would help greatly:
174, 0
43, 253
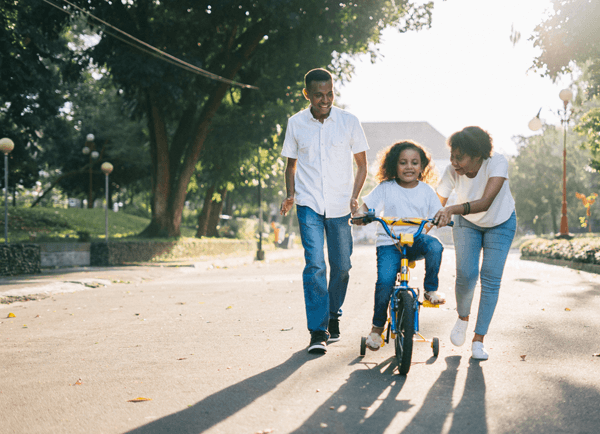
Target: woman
486, 220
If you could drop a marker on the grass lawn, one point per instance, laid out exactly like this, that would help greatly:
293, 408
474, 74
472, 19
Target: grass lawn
64, 225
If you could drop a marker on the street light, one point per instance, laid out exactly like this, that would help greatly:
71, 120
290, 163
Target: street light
535, 124
6, 146
565, 95
106, 168
90, 149
260, 254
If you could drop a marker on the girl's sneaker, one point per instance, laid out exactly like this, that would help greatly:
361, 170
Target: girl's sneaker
374, 340
435, 297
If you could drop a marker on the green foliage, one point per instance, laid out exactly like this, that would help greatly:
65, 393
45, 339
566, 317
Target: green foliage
32, 51
59, 224
570, 34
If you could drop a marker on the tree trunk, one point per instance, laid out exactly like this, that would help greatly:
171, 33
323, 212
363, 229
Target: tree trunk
215, 214
173, 168
205, 213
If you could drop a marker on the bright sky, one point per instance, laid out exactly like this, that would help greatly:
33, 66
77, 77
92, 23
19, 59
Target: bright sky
463, 71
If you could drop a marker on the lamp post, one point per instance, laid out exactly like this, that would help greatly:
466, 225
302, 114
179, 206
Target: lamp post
90, 149
6, 146
106, 168
566, 95
260, 254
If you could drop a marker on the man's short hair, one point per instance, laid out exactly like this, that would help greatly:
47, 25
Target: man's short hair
317, 74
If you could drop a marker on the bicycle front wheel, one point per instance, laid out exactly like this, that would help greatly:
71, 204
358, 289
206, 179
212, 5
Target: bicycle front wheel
405, 323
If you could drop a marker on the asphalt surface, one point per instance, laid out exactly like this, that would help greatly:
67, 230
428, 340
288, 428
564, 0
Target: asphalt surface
220, 347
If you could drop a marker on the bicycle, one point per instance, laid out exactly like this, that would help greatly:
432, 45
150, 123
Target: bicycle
403, 320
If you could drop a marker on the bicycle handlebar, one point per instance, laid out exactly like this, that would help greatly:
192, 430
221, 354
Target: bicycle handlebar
387, 222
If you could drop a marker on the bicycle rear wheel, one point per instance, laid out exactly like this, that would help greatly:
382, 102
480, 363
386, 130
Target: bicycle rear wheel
405, 322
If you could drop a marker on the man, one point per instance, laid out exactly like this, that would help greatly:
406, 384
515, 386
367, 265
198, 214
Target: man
320, 143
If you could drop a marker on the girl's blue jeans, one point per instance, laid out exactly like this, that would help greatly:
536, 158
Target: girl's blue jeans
324, 301
469, 241
388, 263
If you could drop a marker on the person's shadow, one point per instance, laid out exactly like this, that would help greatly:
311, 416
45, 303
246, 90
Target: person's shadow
220, 405
438, 402
469, 414
366, 403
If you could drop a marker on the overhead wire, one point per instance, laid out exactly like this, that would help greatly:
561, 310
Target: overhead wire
151, 50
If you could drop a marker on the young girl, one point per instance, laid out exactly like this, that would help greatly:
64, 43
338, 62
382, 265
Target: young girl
404, 173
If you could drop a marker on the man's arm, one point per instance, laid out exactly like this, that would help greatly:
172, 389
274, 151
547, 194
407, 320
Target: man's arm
359, 179
290, 173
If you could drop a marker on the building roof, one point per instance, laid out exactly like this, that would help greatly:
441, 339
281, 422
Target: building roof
380, 135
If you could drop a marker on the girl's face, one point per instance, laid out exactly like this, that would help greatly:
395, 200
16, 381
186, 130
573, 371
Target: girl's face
465, 164
409, 168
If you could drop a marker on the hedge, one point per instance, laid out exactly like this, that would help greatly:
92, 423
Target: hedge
585, 250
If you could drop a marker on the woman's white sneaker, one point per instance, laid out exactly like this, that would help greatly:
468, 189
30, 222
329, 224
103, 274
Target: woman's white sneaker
459, 332
478, 351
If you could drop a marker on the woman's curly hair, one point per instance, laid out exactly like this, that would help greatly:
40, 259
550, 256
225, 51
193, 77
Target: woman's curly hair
388, 163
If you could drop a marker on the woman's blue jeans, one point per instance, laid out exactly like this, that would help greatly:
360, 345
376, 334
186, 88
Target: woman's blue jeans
469, 241
388, 263
322, 301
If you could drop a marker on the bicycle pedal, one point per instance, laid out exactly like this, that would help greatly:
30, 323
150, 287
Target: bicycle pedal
427, 303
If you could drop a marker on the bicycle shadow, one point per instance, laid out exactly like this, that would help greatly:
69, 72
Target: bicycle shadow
366, 403
222, 404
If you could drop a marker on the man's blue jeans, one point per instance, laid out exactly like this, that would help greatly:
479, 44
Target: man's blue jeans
388, 263
469, 241
323, 302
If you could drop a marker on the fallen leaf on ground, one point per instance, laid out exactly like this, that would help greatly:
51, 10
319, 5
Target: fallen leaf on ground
78, 383
11, 315
228, 307
140, 399
523, 357
567, 309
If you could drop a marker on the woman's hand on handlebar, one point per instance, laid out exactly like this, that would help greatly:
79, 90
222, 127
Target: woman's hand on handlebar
442, 217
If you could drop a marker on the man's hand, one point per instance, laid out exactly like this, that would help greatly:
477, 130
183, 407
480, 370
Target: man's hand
286, 205
353, 205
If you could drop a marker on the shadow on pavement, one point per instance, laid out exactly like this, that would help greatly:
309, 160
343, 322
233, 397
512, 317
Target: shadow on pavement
469, 414
437, 405
365, 404
225, 403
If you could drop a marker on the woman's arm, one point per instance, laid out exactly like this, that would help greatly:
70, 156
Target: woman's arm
492, 188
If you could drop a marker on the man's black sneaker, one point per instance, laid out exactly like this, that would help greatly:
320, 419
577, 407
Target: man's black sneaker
318, 342
334, 329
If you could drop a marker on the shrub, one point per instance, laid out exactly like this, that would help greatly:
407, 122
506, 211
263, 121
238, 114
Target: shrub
585, 249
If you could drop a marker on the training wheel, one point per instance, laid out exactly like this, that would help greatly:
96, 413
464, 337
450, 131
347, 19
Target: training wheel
363, 346
435, 346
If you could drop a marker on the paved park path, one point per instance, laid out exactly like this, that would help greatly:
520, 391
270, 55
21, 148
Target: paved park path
221, 348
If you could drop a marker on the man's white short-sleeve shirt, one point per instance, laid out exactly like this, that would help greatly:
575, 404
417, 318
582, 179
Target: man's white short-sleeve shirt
325, 151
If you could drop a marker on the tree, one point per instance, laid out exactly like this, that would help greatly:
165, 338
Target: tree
268, 44
568, 35
32, 52
536, 180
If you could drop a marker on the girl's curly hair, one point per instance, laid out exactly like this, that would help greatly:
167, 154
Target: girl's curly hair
388, 163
